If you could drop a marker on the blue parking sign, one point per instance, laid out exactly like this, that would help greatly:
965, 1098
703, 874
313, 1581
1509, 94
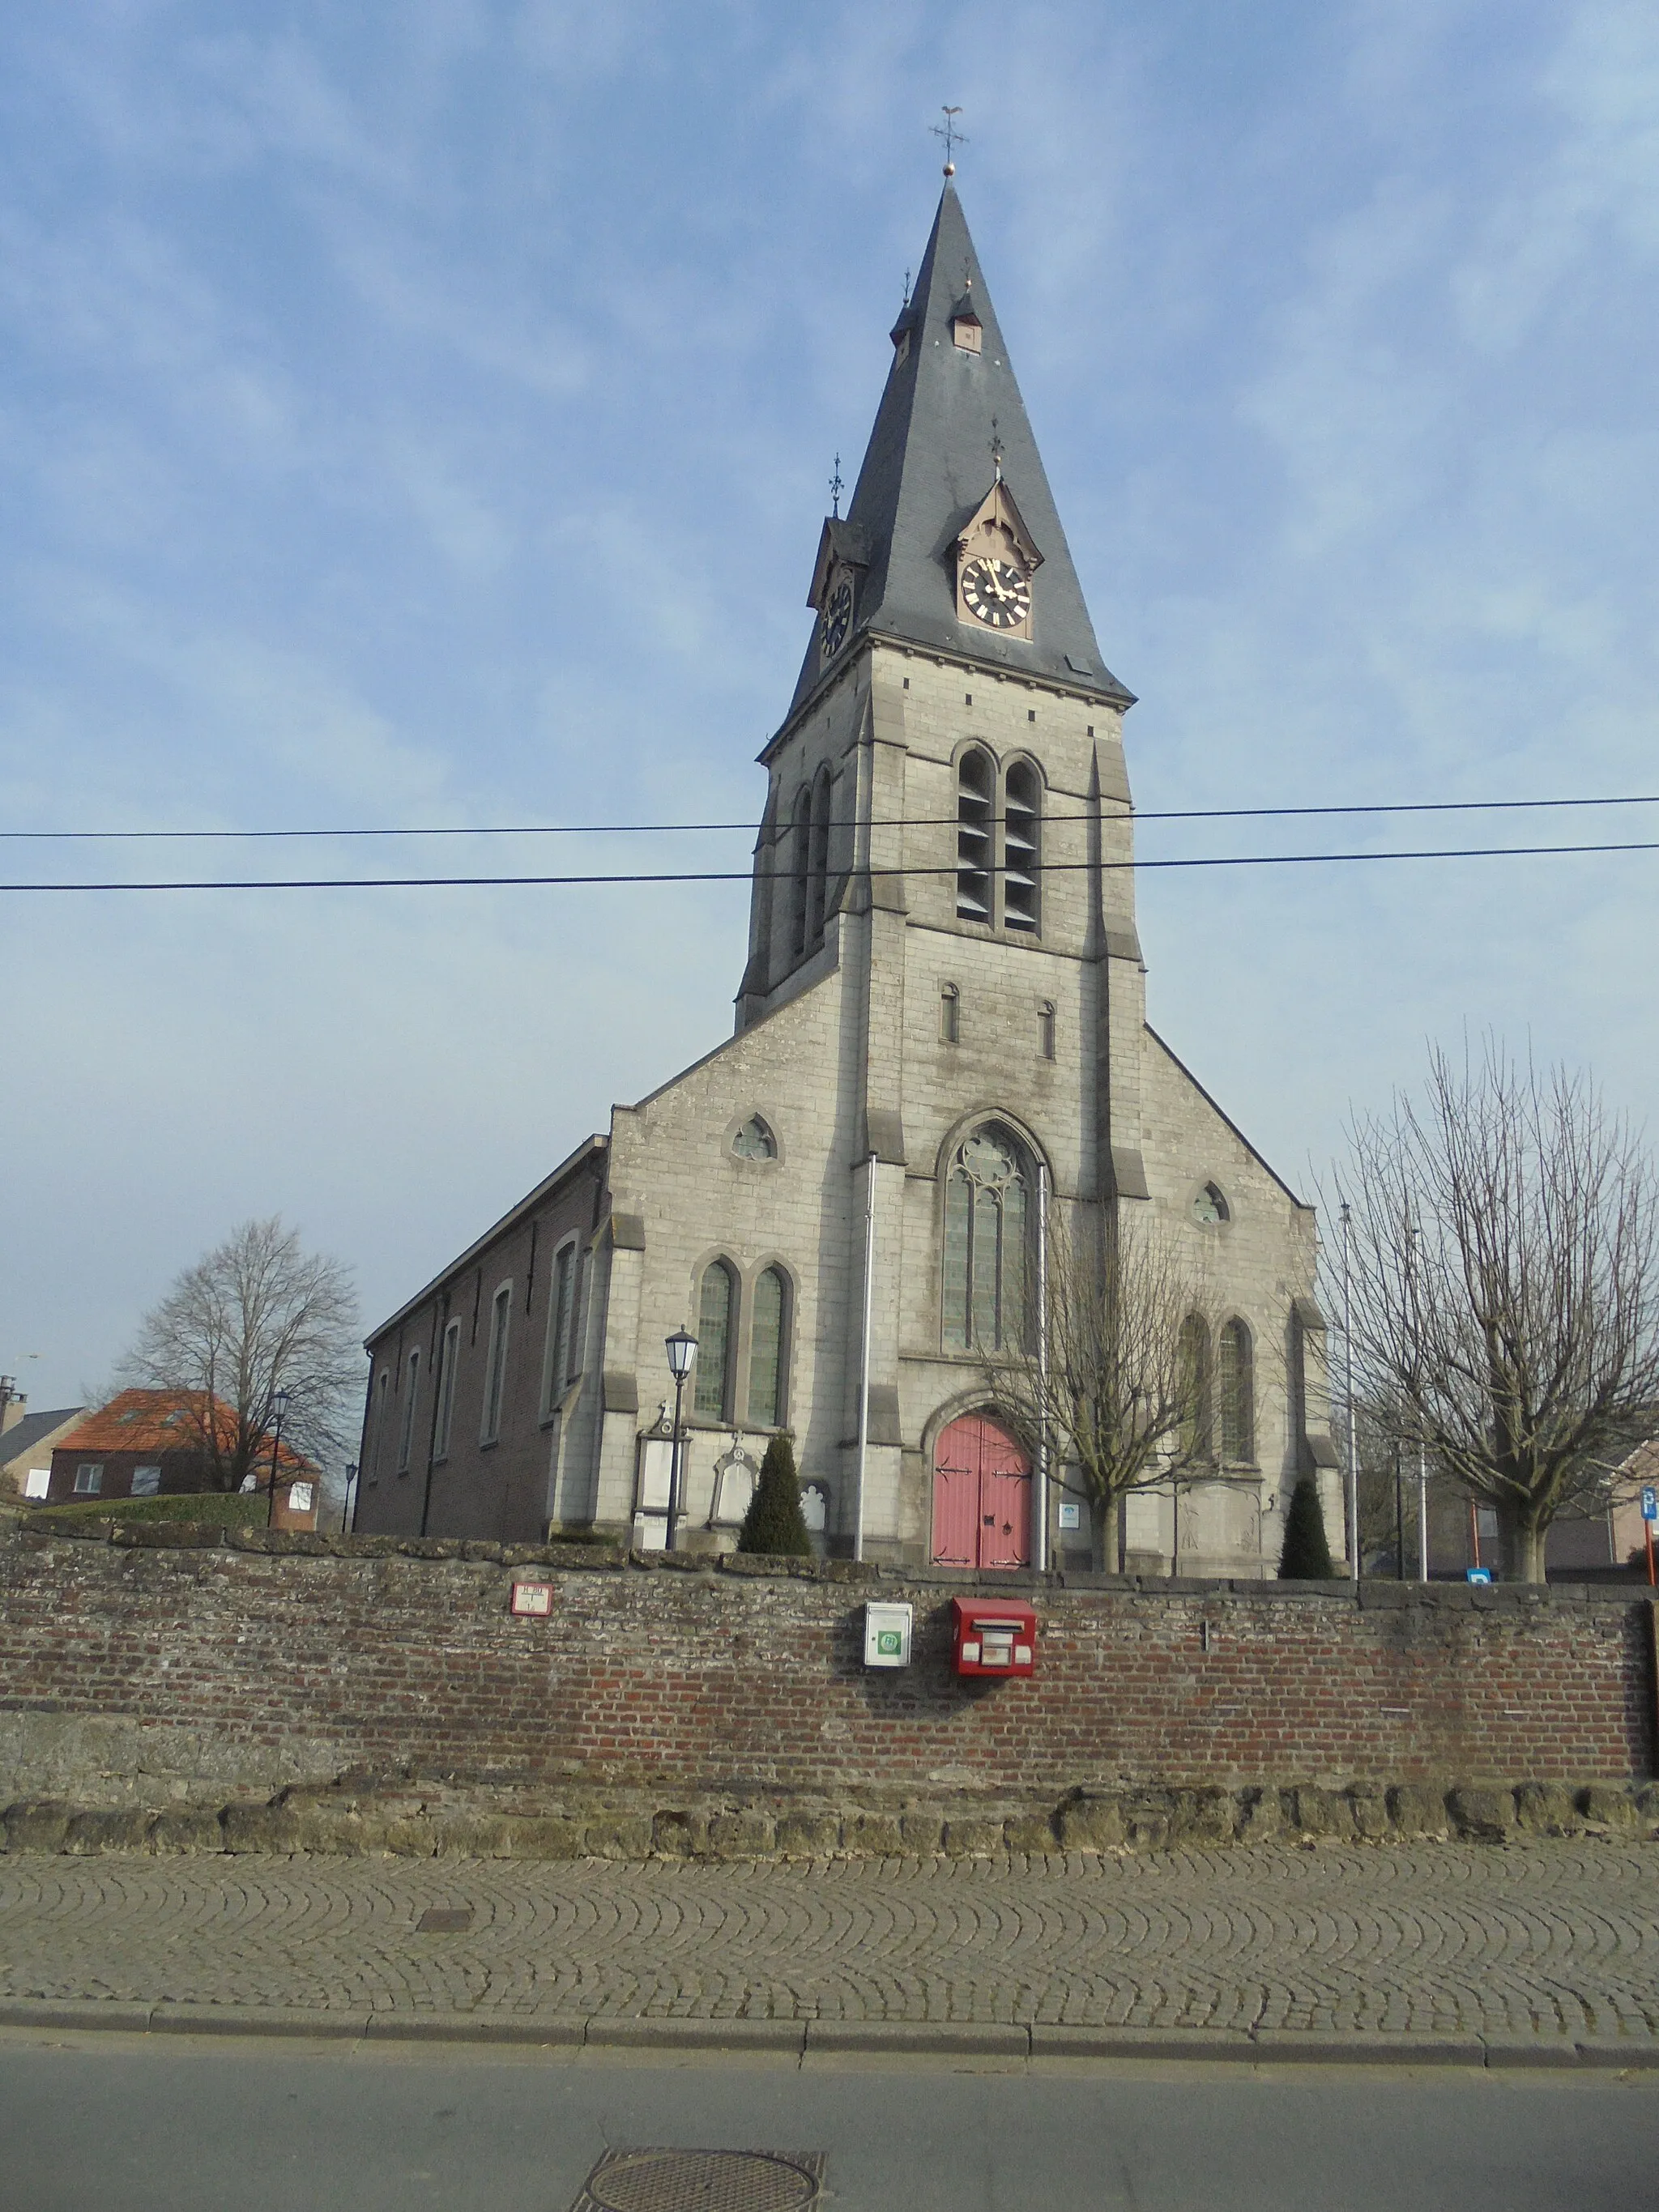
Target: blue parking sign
1649, 1502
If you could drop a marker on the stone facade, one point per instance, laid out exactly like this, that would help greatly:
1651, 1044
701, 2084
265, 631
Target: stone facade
898, 1002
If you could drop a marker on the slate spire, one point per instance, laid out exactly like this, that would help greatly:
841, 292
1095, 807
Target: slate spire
947, 414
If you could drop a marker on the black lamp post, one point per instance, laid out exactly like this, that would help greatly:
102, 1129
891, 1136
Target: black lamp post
279, 1403
682, 1349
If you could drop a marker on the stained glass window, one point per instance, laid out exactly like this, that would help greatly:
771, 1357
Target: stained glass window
716, 1305
766, 1350
1236, 1378
986, 1196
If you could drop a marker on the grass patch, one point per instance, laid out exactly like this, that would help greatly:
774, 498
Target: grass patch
219, 1509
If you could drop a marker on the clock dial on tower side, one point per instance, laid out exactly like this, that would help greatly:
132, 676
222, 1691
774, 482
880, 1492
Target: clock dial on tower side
996, 594
837, 617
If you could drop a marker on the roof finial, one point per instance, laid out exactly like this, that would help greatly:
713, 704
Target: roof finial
996, 448
907, 289
837, 488
948, 132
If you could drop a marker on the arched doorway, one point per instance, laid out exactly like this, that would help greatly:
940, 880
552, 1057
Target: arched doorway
982, 1496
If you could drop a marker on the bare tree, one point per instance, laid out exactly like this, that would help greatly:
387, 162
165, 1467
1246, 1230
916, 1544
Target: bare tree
257, 1316
1505, 1286
1124, 1393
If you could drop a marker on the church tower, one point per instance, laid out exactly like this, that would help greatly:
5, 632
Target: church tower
941, 1047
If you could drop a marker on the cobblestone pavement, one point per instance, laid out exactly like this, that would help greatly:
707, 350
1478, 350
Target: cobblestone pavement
1541, 1939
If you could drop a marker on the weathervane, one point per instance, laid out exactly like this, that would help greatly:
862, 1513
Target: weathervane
996, 448
948, 132
837, 488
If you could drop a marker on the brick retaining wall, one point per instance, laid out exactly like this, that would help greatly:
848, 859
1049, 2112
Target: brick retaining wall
256, 1662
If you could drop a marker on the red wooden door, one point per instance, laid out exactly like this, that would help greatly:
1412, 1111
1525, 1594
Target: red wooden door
981, 1497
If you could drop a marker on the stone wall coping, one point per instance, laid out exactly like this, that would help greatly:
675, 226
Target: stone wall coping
32, 1530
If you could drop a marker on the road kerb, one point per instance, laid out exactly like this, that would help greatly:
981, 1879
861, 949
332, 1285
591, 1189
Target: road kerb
985, 2038
1619, 2050
68, 2012
257, 2019
1536, 2051
1050, 2040
1365, 2047
475, 2027
697, 2035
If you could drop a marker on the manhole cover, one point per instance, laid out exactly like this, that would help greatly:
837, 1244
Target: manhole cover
702, 2181
444, 1920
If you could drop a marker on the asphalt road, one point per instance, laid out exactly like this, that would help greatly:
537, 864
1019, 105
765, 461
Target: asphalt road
106, 2121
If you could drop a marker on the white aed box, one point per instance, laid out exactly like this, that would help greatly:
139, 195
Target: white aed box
887, 1634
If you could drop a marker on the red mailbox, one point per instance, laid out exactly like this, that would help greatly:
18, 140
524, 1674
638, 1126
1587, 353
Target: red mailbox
990, 1636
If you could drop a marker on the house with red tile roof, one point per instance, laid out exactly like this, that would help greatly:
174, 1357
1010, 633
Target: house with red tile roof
149, 1443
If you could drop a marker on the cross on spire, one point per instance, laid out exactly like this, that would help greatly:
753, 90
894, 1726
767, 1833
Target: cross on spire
837, 488
948, 132
996, 448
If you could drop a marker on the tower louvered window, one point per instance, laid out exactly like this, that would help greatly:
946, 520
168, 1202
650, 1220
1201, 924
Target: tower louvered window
973, 832
986, 1232
1021, 820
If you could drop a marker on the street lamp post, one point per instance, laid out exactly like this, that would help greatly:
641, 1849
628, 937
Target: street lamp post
682, 1348
280, 1403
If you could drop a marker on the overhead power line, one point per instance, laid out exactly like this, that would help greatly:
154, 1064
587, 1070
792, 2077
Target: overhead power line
787, 875
896, 822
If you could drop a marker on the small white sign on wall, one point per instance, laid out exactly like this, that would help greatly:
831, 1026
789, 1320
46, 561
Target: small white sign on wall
887, 1635
1071, 1514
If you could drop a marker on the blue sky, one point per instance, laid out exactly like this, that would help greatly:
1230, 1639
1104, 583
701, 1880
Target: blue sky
422, 413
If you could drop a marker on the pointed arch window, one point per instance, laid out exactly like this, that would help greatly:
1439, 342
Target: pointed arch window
501, 1313
975, 784
1235, 1390
1196, 1391
818, 889
1021, 840
987, 1205
717, 1318
411, 1390
769, 1350
800, 868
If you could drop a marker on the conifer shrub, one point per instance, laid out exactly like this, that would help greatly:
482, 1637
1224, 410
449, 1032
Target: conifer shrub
1306, 1556
775, 1524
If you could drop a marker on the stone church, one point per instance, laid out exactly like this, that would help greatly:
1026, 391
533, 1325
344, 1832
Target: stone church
941, 1039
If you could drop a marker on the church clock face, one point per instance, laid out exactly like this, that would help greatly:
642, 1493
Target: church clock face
996, 594
837, 615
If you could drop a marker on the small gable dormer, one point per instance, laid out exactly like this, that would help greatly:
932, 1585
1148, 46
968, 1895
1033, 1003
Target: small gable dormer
996, 559
967, 332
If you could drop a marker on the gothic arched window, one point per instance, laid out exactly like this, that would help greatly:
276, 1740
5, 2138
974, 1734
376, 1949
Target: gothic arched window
1236, 1382
818, 890
1021, 838
1193, 1366
974, 782
800, 869
717, 1315
987, 1207
768, 1349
